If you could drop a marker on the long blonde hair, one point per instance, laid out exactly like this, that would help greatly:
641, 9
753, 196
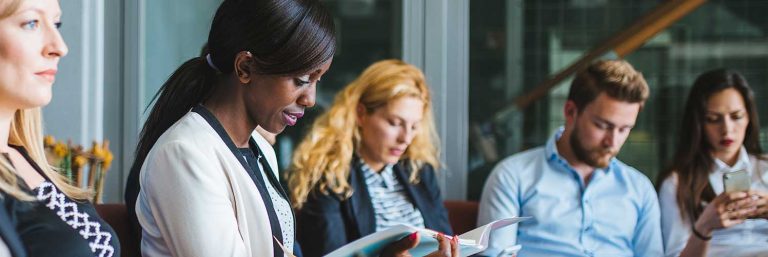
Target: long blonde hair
323, 158
26, 130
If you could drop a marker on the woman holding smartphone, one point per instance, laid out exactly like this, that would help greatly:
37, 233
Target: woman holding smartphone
719, 137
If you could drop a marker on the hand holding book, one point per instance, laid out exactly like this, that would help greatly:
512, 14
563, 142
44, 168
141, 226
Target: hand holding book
407, 237
447, 246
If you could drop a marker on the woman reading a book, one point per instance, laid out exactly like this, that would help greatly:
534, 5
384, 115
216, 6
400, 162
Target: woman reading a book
206, 189
369, 162
49, 216
700, 215
201, 183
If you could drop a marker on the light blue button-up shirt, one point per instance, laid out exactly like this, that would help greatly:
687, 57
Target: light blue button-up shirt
616, 214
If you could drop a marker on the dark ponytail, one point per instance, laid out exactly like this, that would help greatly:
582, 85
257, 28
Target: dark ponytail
286, 37
189, 85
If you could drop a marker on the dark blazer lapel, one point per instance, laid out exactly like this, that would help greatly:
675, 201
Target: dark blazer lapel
360, 203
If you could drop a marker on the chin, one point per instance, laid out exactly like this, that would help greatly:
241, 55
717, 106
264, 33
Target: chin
277, 130
35, 103
391, 160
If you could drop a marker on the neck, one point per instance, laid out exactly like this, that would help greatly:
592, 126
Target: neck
375, 166
728, 158
565, 149
5, 129
228, 109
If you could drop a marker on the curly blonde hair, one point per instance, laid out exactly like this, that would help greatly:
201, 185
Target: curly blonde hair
322, 160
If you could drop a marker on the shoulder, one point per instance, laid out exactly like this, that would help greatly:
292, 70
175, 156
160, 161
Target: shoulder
427, 171
633, 174
191, 128
188, 138
761, 159
520, 164
668, 188
634, 180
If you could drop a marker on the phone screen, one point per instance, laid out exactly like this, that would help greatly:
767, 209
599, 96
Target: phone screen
736, 181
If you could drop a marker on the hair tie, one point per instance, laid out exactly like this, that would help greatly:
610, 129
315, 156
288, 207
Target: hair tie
210, 63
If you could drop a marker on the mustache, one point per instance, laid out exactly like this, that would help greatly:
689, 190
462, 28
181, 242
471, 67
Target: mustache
605, 151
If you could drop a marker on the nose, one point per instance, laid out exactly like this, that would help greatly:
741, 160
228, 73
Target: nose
728, 125
406, 135
609, 140
307, 99
54, 45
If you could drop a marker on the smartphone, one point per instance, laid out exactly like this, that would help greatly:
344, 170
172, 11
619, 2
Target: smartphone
736, 181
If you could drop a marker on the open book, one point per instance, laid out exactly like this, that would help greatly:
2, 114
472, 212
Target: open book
472, 242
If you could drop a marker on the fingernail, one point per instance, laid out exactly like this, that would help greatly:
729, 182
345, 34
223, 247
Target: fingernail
440, 236
412, 236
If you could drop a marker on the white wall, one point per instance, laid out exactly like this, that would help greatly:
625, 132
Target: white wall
76, 112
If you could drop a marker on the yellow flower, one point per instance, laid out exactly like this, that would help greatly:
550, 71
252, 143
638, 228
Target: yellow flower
102, 153
60, 150
79, 161
48, 140
107, 160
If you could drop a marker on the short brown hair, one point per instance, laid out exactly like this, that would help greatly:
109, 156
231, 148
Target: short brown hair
617, 78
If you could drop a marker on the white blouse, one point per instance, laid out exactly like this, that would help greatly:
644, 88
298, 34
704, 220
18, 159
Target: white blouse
747, 239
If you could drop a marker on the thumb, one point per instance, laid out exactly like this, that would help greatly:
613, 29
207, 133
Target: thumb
401, 247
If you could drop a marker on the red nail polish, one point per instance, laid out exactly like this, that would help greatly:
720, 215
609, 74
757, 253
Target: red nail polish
412, 237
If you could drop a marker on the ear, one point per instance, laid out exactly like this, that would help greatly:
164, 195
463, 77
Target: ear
361, 113
244, 67
570, 111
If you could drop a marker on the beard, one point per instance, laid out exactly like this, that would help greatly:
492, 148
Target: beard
598, 157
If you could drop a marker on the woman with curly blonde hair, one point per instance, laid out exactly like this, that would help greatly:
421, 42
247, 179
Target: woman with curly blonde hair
369, 162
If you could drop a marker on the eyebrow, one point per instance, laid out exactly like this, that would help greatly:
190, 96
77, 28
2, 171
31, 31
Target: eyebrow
611, 124
56, 14
721, 113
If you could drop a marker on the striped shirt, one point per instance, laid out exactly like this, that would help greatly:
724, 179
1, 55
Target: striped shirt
391, 204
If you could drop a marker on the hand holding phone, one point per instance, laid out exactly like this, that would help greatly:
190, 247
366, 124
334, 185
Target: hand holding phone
736, 181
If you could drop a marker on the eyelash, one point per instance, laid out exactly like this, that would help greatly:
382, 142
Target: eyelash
32, 23
713, 119
302, 83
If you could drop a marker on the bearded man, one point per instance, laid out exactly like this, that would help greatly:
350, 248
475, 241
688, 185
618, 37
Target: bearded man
584, 201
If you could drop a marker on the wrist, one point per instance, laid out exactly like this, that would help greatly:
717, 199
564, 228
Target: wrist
702, 232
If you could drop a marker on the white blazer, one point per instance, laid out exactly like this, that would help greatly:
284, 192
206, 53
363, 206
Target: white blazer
196, 198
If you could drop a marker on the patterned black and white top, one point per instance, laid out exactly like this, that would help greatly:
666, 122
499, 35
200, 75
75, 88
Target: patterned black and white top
90, 229
282, 209
391, 204
56, 225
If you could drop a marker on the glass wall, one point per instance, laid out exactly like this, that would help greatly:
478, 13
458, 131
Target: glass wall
517, 44
174, 32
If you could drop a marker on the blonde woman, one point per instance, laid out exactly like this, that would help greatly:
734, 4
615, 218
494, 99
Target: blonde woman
369, 162
51, 217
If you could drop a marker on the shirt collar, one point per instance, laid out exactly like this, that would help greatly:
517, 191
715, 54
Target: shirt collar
741, 163
386, 170
554, 156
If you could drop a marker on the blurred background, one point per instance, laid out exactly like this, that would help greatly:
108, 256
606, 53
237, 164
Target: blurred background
499, 69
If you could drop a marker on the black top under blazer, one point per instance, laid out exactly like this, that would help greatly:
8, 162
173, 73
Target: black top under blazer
326, 222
